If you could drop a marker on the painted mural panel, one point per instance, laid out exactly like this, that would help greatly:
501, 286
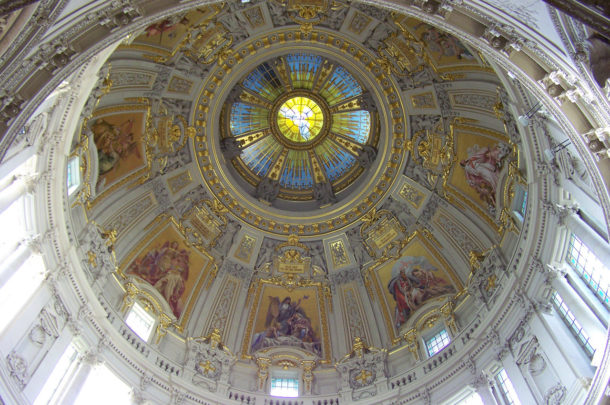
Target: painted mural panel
406, 284
165, 36
174, 269
482, 167
119, 142
443, 49
288, 318
482, 159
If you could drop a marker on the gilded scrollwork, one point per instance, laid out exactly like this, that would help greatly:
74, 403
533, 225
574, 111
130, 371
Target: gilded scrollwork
166, 133
99, 245
487, 268
362, 367
381, 233
133, 293
209, 360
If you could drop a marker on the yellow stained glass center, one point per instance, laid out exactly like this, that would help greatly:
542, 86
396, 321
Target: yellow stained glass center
300, 119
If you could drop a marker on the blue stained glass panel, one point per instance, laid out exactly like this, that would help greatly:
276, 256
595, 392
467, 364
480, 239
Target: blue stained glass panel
246, 118
340, 86
296, 173
355, 125
264, 81
259, 157
303, 69
334, 159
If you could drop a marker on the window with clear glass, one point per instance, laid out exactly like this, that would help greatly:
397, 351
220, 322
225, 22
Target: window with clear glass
60, 378
589, 268
140, 321
13, 218
19, 288
519, 204
437, 342
471, 399
506, 388
573, 324
103, 387
73, 175
284, 387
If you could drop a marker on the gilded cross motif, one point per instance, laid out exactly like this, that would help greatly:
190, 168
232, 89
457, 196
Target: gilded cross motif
363, 376
207, 367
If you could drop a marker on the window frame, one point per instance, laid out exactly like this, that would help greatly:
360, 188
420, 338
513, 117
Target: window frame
55, 391
575, 328
288, 377
73, 183
139, 311
507, 392
436, 335
589, 276
519, 203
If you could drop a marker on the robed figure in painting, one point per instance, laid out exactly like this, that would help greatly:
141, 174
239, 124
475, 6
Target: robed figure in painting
113, 143
166, 269
412, 283
287, 323
482, 170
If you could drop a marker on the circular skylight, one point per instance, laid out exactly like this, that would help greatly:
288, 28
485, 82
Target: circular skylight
300, 119
300, 123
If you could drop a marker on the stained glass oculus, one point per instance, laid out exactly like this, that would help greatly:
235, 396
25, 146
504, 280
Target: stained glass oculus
299, 120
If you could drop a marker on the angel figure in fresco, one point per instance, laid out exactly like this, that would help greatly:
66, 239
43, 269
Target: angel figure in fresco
287, 323
412, 283
167, 270
113, 143
482, 170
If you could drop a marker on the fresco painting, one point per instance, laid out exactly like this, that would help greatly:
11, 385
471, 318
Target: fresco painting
120, 149
165, 35
411, 281
477, 174
171, 267
443, 48
482, 168
288, 319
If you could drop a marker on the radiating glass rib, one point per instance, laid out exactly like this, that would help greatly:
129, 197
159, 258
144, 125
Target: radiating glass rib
303, 69
260, 156
340, 86
296, 173
355, 125
246, 117
264, 81
335, 160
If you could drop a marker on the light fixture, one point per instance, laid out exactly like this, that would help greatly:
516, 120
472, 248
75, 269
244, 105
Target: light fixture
524, 120
549, 154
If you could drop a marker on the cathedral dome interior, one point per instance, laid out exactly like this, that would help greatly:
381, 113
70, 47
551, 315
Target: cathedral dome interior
313, 202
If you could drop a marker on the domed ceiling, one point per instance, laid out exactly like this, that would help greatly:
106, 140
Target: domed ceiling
296, 175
